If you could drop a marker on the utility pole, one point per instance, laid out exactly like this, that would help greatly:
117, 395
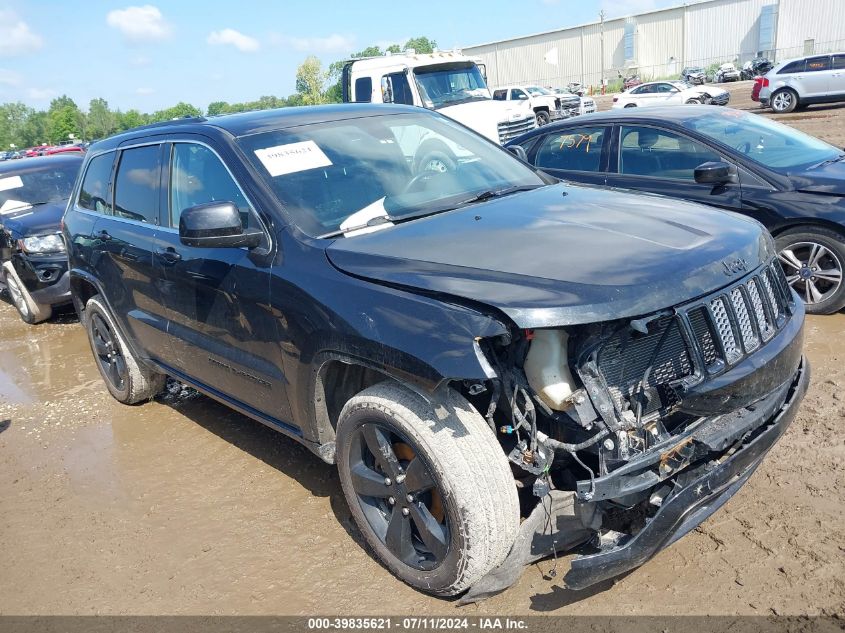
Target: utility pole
601, 34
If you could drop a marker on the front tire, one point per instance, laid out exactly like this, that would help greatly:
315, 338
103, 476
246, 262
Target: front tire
428, 486
30, 311
813, 259
630, 105
542, 118
126, 378
784, 101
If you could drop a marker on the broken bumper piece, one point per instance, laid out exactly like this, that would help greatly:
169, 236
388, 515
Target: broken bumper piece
706, 489
561, 521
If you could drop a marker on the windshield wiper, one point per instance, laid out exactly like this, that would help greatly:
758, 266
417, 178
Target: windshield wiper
495, 193
22, 206
830, 161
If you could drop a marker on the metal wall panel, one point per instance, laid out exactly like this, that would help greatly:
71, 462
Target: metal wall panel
700, 33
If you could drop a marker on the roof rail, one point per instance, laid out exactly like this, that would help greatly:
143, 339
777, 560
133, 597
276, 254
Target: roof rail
176, 121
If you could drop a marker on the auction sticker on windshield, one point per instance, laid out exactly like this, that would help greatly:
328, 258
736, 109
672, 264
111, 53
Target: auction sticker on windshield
12, 182
293, 157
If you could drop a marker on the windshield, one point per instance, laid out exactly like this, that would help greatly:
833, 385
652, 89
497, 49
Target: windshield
30, 186
769, 143
355, 173
450, 84
537, 90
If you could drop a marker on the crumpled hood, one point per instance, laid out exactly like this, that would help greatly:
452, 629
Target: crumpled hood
829, 179
563, 254
38, 220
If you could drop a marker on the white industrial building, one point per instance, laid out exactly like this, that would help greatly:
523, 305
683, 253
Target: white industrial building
660, 43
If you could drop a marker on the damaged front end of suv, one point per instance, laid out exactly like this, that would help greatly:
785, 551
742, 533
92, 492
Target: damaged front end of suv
628, 433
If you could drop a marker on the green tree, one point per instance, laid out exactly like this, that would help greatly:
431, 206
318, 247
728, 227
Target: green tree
13, 117
102, 122
34, 130
218, 107
63, 120
129, 119
179, 111
420, 45
311, 81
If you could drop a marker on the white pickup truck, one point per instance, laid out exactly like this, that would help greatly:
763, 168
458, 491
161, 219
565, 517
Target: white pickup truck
545, 105
447, 81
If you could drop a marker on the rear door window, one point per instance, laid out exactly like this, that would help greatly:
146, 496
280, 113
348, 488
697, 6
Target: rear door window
817, 64
578, 149
839, 62
136, 187
94, 194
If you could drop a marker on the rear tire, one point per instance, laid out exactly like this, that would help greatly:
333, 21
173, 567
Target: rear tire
784, 101
126, 378
469, 501
813, 259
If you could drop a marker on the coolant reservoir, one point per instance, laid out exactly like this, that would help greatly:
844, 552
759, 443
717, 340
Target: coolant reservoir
547, 368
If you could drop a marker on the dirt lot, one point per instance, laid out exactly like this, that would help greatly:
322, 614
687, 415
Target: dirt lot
181, 506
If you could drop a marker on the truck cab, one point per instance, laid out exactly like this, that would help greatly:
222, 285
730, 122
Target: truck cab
448, 82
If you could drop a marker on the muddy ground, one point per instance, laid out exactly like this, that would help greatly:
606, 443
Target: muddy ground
181, 506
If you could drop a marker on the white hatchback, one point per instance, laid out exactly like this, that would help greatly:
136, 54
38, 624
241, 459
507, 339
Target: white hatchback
669, 92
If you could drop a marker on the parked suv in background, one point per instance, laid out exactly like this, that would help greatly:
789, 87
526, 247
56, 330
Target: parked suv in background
544, 103
469, 346
802, 82
33, 261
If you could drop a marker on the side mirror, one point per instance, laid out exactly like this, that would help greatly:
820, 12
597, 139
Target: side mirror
386, 90
519, 152
216, 225
523, 97
715, 173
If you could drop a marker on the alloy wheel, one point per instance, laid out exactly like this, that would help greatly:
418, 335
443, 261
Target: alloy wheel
17, 296
399, 496
782, 101
813, 270
108, 352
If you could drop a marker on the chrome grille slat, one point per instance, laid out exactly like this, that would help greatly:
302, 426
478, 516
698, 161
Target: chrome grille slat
724, 329
764, 325
743, 320
717, 331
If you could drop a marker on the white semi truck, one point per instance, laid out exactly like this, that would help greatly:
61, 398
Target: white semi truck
447, 81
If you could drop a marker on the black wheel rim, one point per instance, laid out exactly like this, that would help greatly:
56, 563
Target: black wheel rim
398, 496
107, 352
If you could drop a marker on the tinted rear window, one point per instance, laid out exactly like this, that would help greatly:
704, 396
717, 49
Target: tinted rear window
94, 194
793, 67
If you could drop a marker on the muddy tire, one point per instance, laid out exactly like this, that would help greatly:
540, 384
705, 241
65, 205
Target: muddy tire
128, 380
462, 515
30, 311
784, 101
813, 259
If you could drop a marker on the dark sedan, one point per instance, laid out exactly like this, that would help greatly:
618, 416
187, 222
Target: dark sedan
33, 260
791, 182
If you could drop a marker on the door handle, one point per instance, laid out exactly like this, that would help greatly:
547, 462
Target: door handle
104, 235
168, 255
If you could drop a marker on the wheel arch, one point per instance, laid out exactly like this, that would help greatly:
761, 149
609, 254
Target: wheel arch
809, 223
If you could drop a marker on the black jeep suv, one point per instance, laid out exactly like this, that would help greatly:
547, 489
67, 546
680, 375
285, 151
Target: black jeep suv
470, 346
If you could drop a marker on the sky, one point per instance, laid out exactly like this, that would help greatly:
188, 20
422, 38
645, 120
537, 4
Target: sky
149, 56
